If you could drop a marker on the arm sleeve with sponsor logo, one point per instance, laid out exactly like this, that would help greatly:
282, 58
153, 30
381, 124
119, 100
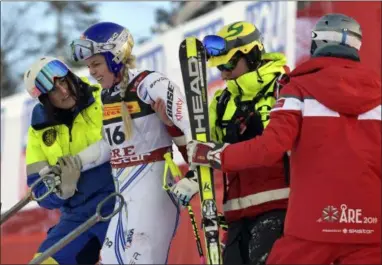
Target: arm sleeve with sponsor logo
156, 86
278, 137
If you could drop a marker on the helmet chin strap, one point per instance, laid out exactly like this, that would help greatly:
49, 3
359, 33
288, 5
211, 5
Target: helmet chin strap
254, 66
117, 79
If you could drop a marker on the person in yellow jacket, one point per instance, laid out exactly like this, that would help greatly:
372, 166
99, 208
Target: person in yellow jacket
65, 141
255, 200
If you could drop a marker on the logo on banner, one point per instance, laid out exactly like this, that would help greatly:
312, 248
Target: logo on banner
209, 29
273, 30
154, 60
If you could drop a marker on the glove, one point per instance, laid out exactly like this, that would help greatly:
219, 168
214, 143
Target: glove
52, 172
70, 171
222, 222
205, 154
186, 188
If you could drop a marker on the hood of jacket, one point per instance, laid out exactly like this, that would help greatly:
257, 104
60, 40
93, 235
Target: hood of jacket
341, 84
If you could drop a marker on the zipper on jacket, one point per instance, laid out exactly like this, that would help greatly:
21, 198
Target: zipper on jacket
70, 139
70, 133
70, 127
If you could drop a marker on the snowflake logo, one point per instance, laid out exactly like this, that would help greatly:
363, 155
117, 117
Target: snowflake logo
345, 231
330, 214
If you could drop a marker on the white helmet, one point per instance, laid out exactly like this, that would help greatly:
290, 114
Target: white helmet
40, 77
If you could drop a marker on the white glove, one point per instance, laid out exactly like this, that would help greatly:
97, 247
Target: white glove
186, 188
69, 170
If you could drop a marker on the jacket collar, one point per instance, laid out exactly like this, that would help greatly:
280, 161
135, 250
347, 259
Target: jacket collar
250, 83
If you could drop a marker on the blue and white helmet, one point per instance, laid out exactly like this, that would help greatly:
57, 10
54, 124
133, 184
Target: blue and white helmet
111, 40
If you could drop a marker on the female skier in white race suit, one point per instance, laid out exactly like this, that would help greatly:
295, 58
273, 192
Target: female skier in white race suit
142, 233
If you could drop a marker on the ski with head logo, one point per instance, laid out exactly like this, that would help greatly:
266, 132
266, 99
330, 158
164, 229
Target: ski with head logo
192, 59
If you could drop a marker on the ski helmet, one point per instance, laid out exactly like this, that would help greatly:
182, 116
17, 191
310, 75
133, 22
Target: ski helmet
337, 29
239, 36
39, 78
111, 40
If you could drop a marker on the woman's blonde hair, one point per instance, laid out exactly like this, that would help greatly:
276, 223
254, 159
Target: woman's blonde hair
126, 117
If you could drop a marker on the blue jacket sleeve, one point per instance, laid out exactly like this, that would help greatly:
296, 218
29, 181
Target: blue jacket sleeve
93, 181
50, 202
102, 174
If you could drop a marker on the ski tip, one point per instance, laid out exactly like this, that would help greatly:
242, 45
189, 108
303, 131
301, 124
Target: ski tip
191, 47
189, 40
194, 39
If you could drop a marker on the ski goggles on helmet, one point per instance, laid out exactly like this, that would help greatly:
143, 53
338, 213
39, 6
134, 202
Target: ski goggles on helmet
217, 46
83, 49
45, 79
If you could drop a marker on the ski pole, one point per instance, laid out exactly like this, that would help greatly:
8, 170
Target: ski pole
175, 172
97, 217
30, 196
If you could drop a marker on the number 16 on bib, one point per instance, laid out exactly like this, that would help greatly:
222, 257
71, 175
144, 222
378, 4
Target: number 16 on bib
192, 59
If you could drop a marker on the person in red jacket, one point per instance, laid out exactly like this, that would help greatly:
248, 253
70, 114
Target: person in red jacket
329, 116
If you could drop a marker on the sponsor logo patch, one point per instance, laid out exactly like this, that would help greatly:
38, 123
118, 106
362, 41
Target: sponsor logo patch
346, 216
170, 99
178, 114
49, 137
111, 111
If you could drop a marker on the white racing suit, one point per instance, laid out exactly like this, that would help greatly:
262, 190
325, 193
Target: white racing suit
142, 232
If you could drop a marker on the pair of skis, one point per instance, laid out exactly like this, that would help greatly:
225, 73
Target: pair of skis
192, 58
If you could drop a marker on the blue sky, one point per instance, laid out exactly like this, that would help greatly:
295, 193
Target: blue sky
137, 16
